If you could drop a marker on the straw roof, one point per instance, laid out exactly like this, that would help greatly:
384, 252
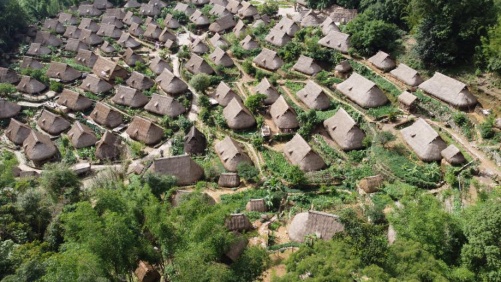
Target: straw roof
30, 85
218, 41
109, 147
195, 142
52, 123
238, 222
183, 168
30, 63
306, 65
90, 38
145, 131
424, 140
233, 6
327, 25
164, 105
198, 46
63, 72
287, 25
149, 10
95, 85
343, 67
311, 18
158, 3
344, 131
313, 96
81, 135
118, 13
47, 39
229, 180
225, 22
220, 58
74, 45
362, 91
219, 2
88, 10
321, 224
166, 35
371, 184
112, 20
157, 65
257, 205
239, 29
152, 31
266, 88
220, 11
130, 97
248, 10
283, 115
299, 153
139, 81
146, 273
17, 131
171, 22
8, 76
102, 4
268, 59
453, 155
382, 61
407, 98
199, 19
106, 115
197, 65
336, 40
182, 7
67, 19
449, 90
109, 30
74, 101
277, 37
231, 154
72, 32
86, 58
342, 15
237, 116
38, 147
53, 25
224, 94
135, 29
107, 48
130, 58
8, 109
171, 84
407, 75
87, 23
132, 4
36, 49
249, 44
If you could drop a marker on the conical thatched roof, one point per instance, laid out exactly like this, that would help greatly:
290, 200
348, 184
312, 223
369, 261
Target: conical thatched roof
218, 41
239, 29
266, 88
223, 23
52, 123
109, 147
74, 45
130, 58
86, 58
449, 90
112, 20
90, 38
74, 101
171, 22
38, 147
199, 19
453, 155
67, 19
102, 4
118, 13
130, 97
283, 115
149, 10
233, 6
198, 46
306, 65
197, 65
407, 98
107, 48
219, 11
343, 67
8, 109
135, 29
47, 39
164, 105
195, 142
30, 85
183, 168
249, 44
424, 140
8, 76
109, 30
158, 3
231, 154
63, 72
327, 25
362, 91
220, 58
238, 222
311, 18
53, 25
166, 35
146, 273
130, 19
277, 37
106, 115
87, 23
382, 61
139, 81
81, 135
237, 116
344, 131
95, 85
248, 10
407, 75
299, 153
17, 131
224, 94
229, 180
132, 4
183, 7
36, 49
321, 224
72, 32
268, 59
342, 15
287, 25
313, 96
219, 2
170, 83
143, 130
152, 31
30, 63
108, 69
157, 65
336, 40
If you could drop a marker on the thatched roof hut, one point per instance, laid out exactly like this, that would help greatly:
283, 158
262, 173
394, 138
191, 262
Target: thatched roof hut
81, 135
424, 140
130, 97
52, 123
218, 41
327, 25
220, 58
132, 4
453, 155
407, 101
231, 154
239, 29
47, 39
167, 36
223, 23
30, 85
199, 19
299, 153
219, 2
17, 131
224, 94
287, 25
449, 90
36, 49
136, 29
108, 69
197, 65
171, 22
158, 3
152, 31
313, 96
89, 24
195, 142
198, 46
106, 115
184, 8
107, 48
72, 32
90, 38
183, 168
237, 116
407, 75
249, 44
257, 205
362, 91
8, 109
157, 65
74, 101
109, 30
371, 184
67, 18
112, 20
248, 10
88, 10
170, 83
63, 72
30, 63
321, 224
38, 147
336, 40
109, 147
277, 37
229, 180
86, 58
266, 88
306, 65
220, 11
8, 76
344, 131
382, 61
102, 4
139, 81
146, 273
342, 15
95, 85
53, 25
268, 59
283, 115
233, 6
131, 58
238, 222
149, 10
312, 18
145, 131
164, 105
118, 13
74, 45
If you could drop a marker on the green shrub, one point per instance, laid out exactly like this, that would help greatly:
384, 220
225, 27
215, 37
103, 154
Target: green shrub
200, 82
7, 88
486, 128
56, 86
248, 172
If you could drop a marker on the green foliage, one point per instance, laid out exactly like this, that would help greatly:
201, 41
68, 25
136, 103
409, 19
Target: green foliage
255, 102
269, 8
60, 181
248, 67
6, 89
136, 149
56, 86
200, 82
159, 184
307, 121
486, 128
36, 74
281, 168
384, 137
491, 47
13, 20
248, 172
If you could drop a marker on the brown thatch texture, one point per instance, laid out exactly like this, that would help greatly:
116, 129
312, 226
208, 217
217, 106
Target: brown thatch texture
197, 65
277, 37
198, 46
30, 85
47, 39
268, 59
67, 19
87, 23
106, 115
407, 75
407, 99
72, 32
139, 81
129, 97
220, 58
342, 15
90, 38
229, 180
424, 140
81, 135
449, 90
130, 58
249, 44
63, 72
183, 168
17, 131
283, 115
220, 11
362, 91
109, 30
86, 58
143, 130
170, 83
131, 4
344, 130
8, 76
38, 147
266, 88
158, 3
233, 6
306, 65
231, 154
299, 153
136, 30
248, 10
164, 105
102, 4
112, 20
107, 48
157, 65
336, 40
225, 22
53, 25
52, 123
36, 49
195, 142
152, 32
74, 101
327, 25
313, 96
322, 225
238, 222
184, 8
199, 19
108, 69
95, 85
30, 63
8, 109
146, 273
127, 41
371, 184
149, 10
240, 29
312, 18
382, 61
166, 35
237, 116
257, 205
74, 45
218, 41
453, 155
118, 13
109, 147
343, 67
224, 94
287, 25
170, 22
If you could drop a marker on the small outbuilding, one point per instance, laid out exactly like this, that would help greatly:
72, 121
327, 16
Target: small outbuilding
382, 61
449, 90
362, 91
231, 154
106, 115
183, 168
320, 224
229, 180
299, 153
8, 109
130, 97
81, 135
343, 129
453, 155
407, 75
17, 132
195, 142
424, 140
164, 105
74, 100
237, 116
313, 96
170, 83
145, 131
268, 59
283, 115
52, 123
109, 147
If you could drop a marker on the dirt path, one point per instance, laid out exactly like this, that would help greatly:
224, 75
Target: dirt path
293, 98
254, 155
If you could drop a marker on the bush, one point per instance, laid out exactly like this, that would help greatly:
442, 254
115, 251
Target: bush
7, 88
248, 172
200, 82
56, 86
486, 128
255, 102
248, 67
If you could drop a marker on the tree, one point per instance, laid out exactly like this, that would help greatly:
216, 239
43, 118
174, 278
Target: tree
255, 102
200, 82
248, 172
59, 180
491, 47
12, 22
